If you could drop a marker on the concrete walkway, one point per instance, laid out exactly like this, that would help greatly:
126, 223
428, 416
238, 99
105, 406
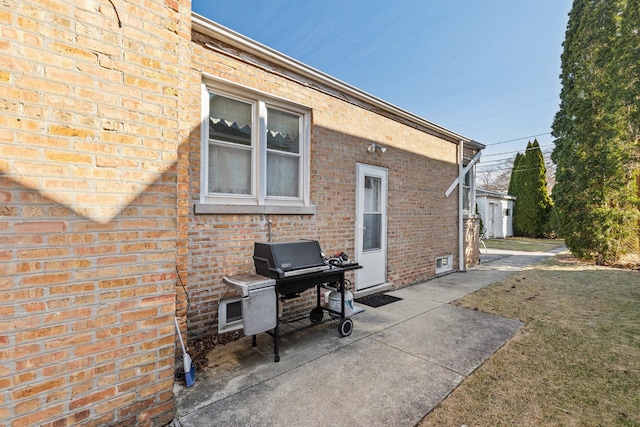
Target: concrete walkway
399, 362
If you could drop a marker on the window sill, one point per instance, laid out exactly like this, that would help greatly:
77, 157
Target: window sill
221, 209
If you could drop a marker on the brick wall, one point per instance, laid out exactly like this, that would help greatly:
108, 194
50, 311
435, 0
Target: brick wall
89, 134
422, 222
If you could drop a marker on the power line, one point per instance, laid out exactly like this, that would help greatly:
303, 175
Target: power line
516, 151
503, 169
509, 110
517, 139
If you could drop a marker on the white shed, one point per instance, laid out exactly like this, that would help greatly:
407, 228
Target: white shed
496, 211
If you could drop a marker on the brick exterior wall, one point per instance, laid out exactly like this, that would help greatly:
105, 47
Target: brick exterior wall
422, 222
99, 173
89, 134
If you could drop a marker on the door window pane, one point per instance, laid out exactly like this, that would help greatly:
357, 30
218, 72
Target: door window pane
372, 193
372, 236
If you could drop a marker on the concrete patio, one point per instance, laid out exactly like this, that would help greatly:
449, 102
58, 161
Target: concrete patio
400, 361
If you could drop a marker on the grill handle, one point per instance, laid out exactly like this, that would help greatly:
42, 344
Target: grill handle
265, 261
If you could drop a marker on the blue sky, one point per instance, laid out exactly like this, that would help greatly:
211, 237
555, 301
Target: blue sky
486, 69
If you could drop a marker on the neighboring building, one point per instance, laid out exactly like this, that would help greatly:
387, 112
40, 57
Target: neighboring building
143, 149
496, 211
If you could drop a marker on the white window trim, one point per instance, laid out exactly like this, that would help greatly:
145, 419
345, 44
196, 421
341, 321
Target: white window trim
258, 201
224, 325
449, 265
470, 210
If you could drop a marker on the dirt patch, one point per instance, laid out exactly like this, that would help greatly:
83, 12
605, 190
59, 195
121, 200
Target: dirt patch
200, 348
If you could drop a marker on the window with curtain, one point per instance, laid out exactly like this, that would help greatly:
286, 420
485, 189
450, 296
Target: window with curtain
230, 145
255, 150
283, 153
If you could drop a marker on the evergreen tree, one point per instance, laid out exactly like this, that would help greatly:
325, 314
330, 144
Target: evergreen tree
538, 194
529, 185
544, 197
513, 181
515, 189
597, 127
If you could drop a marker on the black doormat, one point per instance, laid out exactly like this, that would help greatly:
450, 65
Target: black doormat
377, 300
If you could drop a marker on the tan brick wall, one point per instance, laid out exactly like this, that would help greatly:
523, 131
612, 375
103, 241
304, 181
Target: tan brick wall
422, 221
89, 136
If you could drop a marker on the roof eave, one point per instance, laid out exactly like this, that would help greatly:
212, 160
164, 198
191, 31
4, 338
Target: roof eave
239, 41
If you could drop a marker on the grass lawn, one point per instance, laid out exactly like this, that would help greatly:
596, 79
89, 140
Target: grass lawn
524, 244
576, 362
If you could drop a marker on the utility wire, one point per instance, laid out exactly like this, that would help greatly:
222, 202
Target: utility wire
508, 168
499, 168
504, 161
510, 110
517, 139
516, 151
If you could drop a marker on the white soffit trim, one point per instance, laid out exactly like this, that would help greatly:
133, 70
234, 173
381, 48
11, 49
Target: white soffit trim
219, 32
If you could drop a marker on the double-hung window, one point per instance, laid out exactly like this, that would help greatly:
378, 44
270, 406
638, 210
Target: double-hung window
255, 152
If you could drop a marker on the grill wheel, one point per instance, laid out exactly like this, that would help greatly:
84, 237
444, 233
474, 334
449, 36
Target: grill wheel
316, 315
345, 327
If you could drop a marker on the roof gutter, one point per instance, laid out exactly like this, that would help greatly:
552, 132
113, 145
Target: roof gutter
241, 42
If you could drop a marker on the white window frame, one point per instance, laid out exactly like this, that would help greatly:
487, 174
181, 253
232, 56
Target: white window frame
471, 174
446, 263
224, 323
258, 201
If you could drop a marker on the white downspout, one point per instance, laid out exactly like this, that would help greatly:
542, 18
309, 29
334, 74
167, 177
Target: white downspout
460, 203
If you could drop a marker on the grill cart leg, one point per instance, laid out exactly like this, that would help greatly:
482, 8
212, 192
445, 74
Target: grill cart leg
276, 332
346, 325
317, 313
342, 313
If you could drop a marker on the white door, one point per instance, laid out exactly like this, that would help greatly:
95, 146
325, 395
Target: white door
371, 226
492, 221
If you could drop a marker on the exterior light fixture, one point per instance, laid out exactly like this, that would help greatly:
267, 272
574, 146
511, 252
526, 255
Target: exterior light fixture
375, 147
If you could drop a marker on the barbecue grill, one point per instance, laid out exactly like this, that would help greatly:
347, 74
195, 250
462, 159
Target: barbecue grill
294, 267
288, 259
